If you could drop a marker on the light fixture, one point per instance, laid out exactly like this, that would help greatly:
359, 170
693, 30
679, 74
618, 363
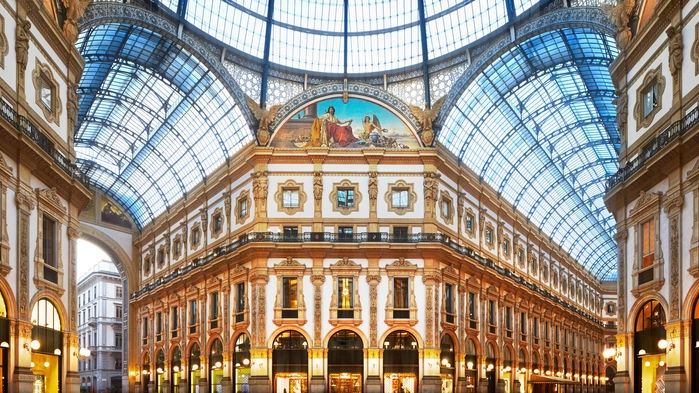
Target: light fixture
641, 352
32, 346
217, 364
661, 363
176, 369
195, 367
246, 362
46, 364
159, 370
469, 365
490, 367
145, 371
666, 346
57, 352
83, 353
609, 353
647, 364
5, 344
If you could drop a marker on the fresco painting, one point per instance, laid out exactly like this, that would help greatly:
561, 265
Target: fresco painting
357, 124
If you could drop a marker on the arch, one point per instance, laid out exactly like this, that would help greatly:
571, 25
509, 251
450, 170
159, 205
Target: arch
272, 337
359, 333
55, 301
9, 296
638, 304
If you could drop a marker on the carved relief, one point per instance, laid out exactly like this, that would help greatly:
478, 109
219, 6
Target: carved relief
4, 45
47, 93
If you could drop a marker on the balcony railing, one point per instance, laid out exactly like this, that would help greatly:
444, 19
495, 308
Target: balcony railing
310, 237
674, 131
23, 125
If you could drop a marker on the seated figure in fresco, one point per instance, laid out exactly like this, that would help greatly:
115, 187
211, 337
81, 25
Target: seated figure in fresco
328, 129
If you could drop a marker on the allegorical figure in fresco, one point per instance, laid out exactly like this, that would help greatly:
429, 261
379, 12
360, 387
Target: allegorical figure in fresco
328, 129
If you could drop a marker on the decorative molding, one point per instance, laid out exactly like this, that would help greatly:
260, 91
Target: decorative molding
45, 84
652, 77
279, 195
399, 186
345, 184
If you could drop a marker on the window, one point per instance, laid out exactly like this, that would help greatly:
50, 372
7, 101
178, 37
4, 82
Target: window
399, 198
445, 208
506, 247
345, 197
177, 247
449, 302
523, 325
508, 321
146, 267
119, 291
161, 257
118, 341
192, 316
647, 243
243, 208
290, 297
213, 309
290, 198
159, 326
174, 321
196, 236
291, 233
345, 233
217, 222
401, 298
118, 311
472, 310
469, 222
49, 249
400, 234
535, 330
520, 257
491, 316
650, 98
345, 290
489, 236
46, 91
144, 330
240, 302
46, 88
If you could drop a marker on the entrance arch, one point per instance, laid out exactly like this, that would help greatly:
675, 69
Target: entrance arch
345, 362
400, 363
649, 359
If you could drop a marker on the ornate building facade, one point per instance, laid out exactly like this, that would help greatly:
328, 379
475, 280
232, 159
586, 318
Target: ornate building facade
654, 199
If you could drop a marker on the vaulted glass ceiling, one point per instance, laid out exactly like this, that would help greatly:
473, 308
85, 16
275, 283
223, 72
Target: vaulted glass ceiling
537, 124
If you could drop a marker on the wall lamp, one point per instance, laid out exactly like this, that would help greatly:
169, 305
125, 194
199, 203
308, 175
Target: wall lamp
82, 354
32, 346
666, 346
4, 344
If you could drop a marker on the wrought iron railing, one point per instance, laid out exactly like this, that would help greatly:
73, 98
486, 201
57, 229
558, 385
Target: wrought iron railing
674, 131
26, 127
311, 237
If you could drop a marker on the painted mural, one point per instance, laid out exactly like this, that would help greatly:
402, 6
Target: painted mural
356, 124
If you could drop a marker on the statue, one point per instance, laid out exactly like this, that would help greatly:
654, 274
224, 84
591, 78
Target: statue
22, 45
675, 48
74, 11
620, 15
425, 117
264, 117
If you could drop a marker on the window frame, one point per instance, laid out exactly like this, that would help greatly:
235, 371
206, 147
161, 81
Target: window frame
653, 81
338, 189
290, 186
345, 268
44, 81
242, 207
404, 272
410, 196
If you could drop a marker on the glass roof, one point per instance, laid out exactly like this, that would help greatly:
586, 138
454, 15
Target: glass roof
538, 125
380, 35
153, 120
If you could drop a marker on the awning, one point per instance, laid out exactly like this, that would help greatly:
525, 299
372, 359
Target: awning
551, 380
